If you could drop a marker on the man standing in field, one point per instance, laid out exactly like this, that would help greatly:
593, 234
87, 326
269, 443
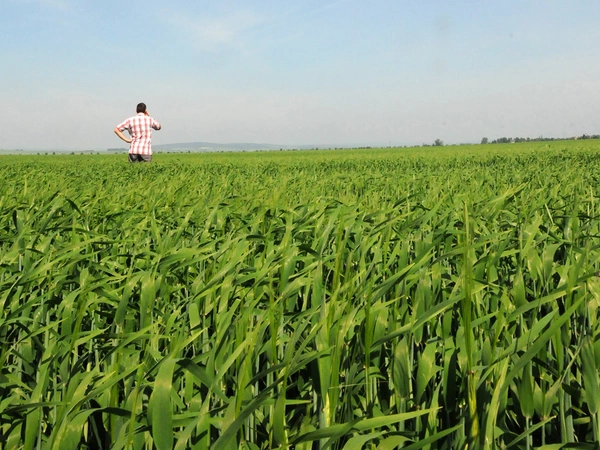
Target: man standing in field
140, 129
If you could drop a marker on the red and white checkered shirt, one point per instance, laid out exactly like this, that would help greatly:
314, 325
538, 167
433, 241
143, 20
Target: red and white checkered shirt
140, 129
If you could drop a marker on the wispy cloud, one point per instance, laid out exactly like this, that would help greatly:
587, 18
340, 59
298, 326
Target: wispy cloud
221, 26
210, 32
328, 6
56, 4
310, 9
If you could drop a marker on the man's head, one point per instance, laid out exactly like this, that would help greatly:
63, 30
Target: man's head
141, 108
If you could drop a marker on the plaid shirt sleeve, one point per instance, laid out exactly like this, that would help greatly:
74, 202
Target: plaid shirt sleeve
125, 125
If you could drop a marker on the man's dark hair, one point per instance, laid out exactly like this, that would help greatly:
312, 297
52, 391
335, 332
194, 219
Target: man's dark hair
141, 108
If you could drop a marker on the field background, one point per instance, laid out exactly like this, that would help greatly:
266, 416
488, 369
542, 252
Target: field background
434, 298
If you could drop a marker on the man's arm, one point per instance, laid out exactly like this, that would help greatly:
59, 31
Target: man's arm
155, 123
121, 135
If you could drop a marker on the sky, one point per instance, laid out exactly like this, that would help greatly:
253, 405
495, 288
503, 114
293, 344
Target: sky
302, 72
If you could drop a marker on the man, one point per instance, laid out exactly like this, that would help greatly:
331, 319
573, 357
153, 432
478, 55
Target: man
140, 129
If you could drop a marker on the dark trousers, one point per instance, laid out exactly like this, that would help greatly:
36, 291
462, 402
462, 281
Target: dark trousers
139, 158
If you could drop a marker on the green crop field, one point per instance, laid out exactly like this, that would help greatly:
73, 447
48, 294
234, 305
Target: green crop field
368, 299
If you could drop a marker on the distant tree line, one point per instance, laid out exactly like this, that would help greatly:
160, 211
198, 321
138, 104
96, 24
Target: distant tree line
507, 140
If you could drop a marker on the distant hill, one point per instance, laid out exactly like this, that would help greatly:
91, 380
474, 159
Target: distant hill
230, 147
211, 147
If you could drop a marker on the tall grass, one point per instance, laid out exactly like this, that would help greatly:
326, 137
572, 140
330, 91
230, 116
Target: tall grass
379, 299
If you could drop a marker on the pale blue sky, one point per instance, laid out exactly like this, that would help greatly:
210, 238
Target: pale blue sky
332, 72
